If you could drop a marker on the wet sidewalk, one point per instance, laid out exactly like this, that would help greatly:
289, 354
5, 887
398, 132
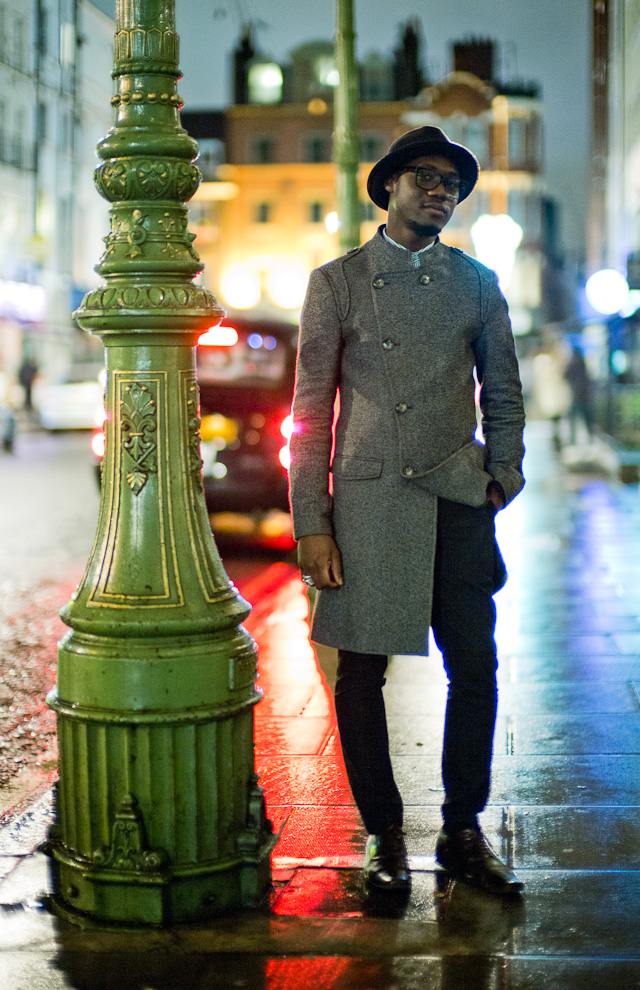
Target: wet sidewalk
564, 804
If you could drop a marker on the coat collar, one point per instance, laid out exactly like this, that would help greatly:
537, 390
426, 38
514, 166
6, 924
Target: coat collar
386, 255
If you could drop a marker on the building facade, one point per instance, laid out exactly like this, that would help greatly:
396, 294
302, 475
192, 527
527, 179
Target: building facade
616, 34
277, 219
55, 64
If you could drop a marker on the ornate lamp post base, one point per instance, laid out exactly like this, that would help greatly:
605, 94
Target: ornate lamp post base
160, 816
129, 883
202, 845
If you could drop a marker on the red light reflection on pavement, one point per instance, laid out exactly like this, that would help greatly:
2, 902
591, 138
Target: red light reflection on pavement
327, 973
298, 752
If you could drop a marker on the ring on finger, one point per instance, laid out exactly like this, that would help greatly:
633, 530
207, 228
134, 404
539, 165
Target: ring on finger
308, 580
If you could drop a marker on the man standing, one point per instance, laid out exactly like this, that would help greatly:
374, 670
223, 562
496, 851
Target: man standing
26, 375
404, 537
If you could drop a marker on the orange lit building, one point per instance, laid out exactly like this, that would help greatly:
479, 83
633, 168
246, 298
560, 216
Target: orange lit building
269, 217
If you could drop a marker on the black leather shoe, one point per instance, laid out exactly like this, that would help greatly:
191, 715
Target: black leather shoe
386, 866
468, 856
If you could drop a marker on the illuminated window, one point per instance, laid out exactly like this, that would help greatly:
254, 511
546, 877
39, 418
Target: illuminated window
67, 44
265, 83
263, 213
326, 72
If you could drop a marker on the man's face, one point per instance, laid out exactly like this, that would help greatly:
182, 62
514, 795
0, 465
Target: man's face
424, 212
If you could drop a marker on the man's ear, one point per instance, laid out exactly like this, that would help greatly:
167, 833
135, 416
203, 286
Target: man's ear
389, 184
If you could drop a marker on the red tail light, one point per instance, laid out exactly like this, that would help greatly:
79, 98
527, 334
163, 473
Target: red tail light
286, 428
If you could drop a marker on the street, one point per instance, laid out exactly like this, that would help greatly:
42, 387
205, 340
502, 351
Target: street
563, 807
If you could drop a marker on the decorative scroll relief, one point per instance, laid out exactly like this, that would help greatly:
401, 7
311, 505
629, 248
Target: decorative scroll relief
139, 464
152, 297
139, 425
147, 178
193, 432
128, 850
138, 235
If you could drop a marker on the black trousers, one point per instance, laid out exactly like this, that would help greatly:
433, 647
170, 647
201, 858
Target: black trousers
468, 571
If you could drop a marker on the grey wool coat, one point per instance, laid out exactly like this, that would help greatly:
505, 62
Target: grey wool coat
399, 344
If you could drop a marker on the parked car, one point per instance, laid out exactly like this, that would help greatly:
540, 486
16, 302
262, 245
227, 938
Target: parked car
73, 404
245, 371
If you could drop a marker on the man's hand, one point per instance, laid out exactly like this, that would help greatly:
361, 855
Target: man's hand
495, 494
319, 558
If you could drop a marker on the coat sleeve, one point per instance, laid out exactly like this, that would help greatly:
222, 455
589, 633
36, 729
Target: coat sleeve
501, 393
317, 376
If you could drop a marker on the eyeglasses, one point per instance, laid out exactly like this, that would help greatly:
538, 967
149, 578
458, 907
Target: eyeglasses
428, 178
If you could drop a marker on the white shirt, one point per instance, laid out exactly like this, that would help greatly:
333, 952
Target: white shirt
415, 255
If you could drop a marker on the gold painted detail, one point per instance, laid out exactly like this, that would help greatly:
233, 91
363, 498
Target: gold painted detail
138, 98
151, 297
128, 850
137, 234
136, 43
193, 432
147, 178
138, 424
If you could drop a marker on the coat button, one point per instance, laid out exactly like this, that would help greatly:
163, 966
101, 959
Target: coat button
378, 283
388, 344
402, 407
424, 279
408, 472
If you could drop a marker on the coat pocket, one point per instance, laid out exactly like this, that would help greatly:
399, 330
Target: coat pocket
351, 467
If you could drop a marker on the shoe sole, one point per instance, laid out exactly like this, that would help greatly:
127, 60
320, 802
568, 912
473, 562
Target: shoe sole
508, 890
394, 886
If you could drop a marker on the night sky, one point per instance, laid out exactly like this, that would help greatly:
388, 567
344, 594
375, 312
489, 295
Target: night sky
546, 41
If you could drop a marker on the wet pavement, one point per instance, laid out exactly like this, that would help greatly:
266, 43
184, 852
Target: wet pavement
564, 803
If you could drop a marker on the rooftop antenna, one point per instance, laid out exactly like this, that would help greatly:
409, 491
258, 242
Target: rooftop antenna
512, 70
242, 11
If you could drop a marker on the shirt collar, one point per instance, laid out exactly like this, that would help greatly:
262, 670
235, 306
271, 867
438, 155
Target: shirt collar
403, 248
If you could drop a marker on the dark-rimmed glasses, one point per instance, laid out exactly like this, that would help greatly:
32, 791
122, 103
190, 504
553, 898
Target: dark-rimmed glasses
428, 178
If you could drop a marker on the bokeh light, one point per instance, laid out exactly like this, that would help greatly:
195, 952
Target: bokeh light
607, 291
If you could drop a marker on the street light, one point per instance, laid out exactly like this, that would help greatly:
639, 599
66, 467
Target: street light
496, 239
160, 817
607, 291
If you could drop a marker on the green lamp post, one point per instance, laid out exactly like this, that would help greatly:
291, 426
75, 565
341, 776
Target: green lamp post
345, 132
160, 816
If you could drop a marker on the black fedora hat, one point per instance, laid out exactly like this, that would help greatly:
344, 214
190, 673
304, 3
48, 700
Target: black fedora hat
425, 140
